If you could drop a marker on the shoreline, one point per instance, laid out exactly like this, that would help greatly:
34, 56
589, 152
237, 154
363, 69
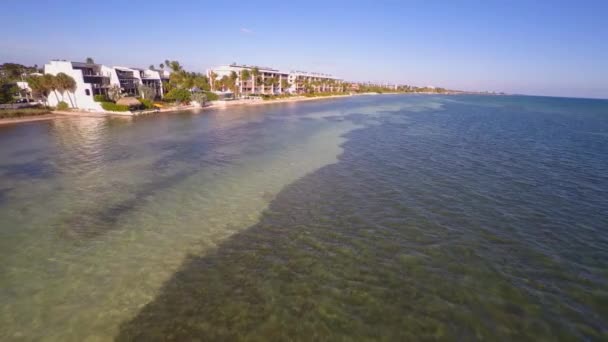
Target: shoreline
25, 119
225, 104
212, 105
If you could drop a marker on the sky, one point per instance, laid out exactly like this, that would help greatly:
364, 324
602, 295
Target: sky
556, 48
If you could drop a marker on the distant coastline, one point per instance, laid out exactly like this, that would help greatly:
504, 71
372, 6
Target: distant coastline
64, 114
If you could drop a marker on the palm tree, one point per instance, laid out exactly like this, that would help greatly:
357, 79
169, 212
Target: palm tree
233, 78
245, 76
255, 73
50, 84
39, 88
284, 85
65, 82
90, 60
274, 83
212, 77
175, 66
162, 66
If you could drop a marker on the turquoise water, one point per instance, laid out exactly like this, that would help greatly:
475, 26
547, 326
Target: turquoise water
374, 217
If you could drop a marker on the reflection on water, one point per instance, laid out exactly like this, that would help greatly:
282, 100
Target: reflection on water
392, 217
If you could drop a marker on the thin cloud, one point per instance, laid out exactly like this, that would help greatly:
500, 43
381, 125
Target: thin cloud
246, 30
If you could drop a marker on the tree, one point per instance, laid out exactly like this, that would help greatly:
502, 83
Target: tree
284, 85
162, 66
114, 93
201, 81
151, 67
199, 97
212, 77
255, 73
224, 83
50, 84
65, 82
38, 86
175, 66
146, 92
179, 95
12, 71
90, 60
233, 78
7, 89
245, 76
274, 83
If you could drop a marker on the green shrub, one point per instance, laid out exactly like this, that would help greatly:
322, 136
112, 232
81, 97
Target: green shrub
100, 98
62, 106
199, 97
113, 107
178, 95
17, 113
211, 96
147, 103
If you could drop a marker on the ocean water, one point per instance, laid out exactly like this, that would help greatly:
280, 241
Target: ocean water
392, 217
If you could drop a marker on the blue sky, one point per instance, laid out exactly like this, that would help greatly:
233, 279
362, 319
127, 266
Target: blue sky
534, 47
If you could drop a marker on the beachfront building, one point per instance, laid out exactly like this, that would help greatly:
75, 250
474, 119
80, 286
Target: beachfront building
269, 81
154, 79
302, 82
272, 81
127, 79
91, 79
95, 79
130, 79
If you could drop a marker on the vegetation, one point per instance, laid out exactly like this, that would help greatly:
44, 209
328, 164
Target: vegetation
90, 60
147, 92
275, 97
113, 107
114, 93
7, 90
17, 113
199, 97
371, 88
255, 75
323, 94
178, 95
284, 85
65, 83
62, 106
213, 77
245, 75
147, 103
100, 98
211, 96
15, 72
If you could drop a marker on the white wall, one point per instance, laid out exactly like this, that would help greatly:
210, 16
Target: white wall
79, 98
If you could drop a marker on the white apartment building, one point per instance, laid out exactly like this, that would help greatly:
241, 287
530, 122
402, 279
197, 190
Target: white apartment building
129, 80
91, 79
271, 80
300, 80
95, 79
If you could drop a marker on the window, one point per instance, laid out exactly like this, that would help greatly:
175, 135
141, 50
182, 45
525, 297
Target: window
88, 92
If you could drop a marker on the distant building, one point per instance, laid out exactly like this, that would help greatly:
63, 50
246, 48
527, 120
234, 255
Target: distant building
271, 80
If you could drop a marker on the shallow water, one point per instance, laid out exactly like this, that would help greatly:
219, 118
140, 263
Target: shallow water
380, 217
